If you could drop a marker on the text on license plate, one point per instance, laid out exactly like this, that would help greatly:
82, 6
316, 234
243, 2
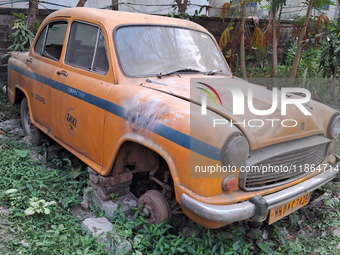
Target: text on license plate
281, 211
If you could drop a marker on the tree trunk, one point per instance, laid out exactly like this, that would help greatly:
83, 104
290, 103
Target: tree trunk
32, 14
115, 5
182, 7
334, 80
299, 42
81, 3
275, 64
242, 48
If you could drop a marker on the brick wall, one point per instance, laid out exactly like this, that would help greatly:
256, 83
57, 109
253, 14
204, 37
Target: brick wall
6, 23
3, 74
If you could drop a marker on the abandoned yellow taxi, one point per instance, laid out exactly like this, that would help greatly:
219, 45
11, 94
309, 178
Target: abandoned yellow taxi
151, 106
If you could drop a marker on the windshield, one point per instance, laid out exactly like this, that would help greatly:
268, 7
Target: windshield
158, 50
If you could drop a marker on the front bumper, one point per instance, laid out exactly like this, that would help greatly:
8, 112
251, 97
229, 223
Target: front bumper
257, 207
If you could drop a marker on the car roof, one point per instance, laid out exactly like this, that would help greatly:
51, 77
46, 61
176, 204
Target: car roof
111, 19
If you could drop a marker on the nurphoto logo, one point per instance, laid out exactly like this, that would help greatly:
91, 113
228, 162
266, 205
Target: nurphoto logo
238, 98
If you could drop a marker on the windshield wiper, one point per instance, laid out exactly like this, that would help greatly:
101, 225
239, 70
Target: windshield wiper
184, 70
189, 70
212, 72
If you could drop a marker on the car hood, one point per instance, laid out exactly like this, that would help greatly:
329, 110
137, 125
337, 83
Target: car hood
275, 126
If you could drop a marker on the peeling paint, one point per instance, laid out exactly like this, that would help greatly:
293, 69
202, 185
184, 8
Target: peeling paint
142, 114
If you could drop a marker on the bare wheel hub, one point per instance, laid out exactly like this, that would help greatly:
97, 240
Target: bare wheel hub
155, 206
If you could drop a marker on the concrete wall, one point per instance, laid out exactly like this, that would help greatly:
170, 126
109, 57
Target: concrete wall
293, 9
162, 7
59, 4
158, 6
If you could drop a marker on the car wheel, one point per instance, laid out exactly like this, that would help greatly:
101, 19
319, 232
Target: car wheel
28, 126
154, 206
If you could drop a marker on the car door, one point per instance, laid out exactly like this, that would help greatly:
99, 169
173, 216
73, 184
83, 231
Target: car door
41, 68
81, 91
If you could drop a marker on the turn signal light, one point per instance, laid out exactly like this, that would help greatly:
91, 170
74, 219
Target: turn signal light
229, 183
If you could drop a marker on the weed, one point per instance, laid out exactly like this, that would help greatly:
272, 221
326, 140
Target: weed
47, 226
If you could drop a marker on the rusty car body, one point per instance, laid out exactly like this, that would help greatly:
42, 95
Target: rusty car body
113, 88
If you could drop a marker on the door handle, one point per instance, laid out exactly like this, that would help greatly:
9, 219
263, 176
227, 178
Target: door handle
62, 73
29, 60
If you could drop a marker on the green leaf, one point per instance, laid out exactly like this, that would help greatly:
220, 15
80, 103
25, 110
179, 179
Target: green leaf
17, 15
22, 153
30, 33
337, 49
16, 33
75, 173
29, 211
11, 191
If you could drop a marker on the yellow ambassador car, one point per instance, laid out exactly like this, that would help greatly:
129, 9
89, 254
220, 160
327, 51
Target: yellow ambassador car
141, 100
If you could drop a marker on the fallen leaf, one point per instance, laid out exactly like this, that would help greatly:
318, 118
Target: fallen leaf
25, 243
290, 237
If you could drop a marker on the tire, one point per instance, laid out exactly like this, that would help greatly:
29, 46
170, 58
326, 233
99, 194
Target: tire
29, 128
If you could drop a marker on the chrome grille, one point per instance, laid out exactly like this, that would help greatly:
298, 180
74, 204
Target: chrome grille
283, 163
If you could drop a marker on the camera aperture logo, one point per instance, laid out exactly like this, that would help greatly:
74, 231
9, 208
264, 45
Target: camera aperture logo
239, 101
204, 99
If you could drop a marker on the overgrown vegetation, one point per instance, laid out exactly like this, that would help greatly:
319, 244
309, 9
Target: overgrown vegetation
28, 184
251, 49
22, 36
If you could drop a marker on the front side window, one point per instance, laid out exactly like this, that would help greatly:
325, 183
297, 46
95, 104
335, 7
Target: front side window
51, 39
154, 50
86, 48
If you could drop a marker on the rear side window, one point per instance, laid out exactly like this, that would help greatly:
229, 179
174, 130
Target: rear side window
86, 48
51, 39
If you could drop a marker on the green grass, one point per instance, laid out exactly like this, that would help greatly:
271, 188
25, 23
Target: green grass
56, 233
337, 146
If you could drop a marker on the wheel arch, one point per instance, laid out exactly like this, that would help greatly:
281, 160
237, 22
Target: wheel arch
19, 95
145, 144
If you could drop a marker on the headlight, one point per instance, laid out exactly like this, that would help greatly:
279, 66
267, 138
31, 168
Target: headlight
235, 151
334, 127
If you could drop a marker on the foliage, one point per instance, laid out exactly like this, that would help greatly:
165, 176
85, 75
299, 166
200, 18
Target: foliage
277, 5
180, 10
226, 8
22, 36
164, 239
258, 38
225, 38
38, 206
331, 50
236, 238
49, 230
320, 4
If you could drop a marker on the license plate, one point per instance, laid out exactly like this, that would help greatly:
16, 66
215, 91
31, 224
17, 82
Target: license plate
282, 211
